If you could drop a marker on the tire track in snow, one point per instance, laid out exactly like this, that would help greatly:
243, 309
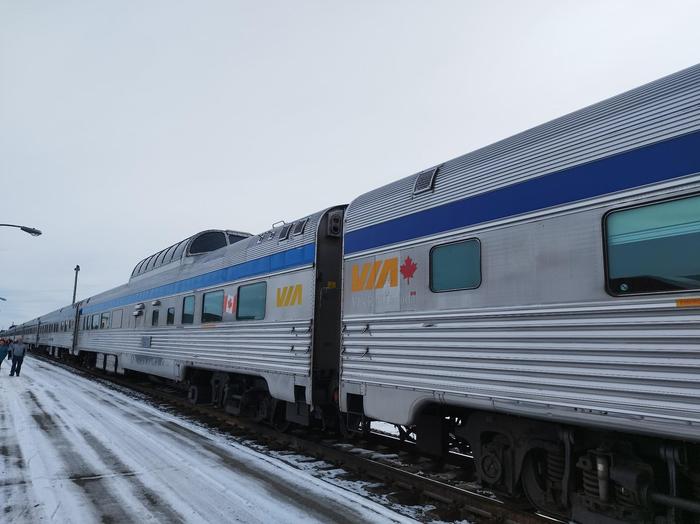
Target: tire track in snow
146, 496
14, 484
106, 506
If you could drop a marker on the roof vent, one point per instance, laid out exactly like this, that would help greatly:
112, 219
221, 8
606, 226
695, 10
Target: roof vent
299, 227
425, 181
284, 234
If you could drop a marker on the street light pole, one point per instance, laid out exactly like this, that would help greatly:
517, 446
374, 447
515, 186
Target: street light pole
32, 231
75, 283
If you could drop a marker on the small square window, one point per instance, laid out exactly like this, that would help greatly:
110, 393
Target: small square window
455, 266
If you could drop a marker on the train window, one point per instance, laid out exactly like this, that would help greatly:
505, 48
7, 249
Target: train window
654, 248
177, 254
232, 239
96, 321
251, 301
169, 254
455, 266
154, 317
117, 318
188, 310
152, 262
213, 306
104, 321
161, 256
207, 242
170, 318
137, 269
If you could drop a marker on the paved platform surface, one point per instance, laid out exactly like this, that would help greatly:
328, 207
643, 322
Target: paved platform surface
77, 450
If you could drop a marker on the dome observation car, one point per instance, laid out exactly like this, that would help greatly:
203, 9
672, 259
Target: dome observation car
203, 242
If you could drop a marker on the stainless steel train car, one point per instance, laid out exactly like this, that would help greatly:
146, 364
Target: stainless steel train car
535, 304
232, 316
55, 331
538, 291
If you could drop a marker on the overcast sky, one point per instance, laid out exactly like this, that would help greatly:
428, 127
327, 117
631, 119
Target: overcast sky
126, 126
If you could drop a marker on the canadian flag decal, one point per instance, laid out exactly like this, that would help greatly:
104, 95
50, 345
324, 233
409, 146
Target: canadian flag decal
230, 303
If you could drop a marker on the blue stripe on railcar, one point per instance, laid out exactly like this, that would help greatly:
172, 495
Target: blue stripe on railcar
646, 165
260, 266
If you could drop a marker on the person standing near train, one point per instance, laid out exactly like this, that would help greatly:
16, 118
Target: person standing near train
19, 349
4, 349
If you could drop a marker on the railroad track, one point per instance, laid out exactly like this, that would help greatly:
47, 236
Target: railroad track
409, 478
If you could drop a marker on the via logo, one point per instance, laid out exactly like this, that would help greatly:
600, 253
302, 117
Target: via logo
375, 275
289, 295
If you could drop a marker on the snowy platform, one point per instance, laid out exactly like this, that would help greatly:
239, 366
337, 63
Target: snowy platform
76, 450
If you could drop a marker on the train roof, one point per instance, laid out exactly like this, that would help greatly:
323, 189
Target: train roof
202, 242
425, 203
282, 246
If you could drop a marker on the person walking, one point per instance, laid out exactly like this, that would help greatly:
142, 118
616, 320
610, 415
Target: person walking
4, 349
19, 349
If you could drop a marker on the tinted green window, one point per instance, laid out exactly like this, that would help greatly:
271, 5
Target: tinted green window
170, 319
213, 306
654, 248
455, 266
251, 301
188, 310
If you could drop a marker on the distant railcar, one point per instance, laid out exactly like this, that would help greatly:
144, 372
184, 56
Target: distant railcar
535, 303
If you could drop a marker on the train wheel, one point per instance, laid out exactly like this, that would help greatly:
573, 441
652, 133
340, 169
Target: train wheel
535, 485
279, 419
199, 394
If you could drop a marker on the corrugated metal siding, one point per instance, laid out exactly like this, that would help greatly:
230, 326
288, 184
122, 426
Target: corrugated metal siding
634, 360
282, 347
657, 111
61, 339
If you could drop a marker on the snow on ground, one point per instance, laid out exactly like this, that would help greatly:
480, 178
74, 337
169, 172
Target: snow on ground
77, 450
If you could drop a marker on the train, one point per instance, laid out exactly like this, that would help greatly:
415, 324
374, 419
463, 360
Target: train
534, 304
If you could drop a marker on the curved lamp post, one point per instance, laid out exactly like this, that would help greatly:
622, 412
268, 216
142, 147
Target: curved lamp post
32, 231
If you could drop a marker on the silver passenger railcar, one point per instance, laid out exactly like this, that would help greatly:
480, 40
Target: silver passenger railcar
547, 283
55, 331
232, 316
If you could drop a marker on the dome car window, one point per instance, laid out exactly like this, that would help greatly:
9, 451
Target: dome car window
208, 242
179, 249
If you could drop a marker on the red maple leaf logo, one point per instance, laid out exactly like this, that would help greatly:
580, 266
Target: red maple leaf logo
408, 269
